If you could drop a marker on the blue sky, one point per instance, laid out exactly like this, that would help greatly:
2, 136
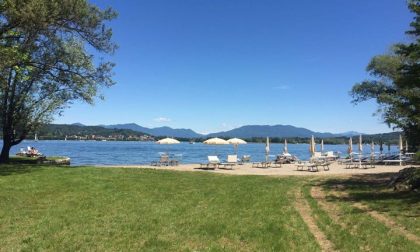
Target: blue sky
213, 65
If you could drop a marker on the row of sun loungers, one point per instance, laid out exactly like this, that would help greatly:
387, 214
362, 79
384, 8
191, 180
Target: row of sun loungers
313, 166
316, 163
214, 162
371, 161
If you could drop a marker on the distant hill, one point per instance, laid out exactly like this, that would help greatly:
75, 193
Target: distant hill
248, 131
270, 131
59, 131
251, 133
160, 131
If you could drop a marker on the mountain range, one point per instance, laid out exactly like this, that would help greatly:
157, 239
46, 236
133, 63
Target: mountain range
242, 132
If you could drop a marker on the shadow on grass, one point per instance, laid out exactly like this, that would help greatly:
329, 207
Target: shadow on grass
373, 189
16, 169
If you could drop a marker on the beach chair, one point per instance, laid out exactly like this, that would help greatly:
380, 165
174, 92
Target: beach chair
330, 156
245, 159
312, 167
164, 160
213, 163
369, 163
261, 164
232, 160
324, 164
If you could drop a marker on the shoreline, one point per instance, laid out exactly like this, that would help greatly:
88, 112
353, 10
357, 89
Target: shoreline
284, 170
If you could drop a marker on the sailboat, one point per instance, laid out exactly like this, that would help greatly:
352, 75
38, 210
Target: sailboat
36, 138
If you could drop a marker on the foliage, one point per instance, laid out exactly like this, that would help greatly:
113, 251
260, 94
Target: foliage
396, 85
45, 64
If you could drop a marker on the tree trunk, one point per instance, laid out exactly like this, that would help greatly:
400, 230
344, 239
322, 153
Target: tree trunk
7, 145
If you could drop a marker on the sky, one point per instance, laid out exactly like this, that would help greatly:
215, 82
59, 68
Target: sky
213, 65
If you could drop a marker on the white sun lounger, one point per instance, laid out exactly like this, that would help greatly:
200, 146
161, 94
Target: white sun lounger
213, 163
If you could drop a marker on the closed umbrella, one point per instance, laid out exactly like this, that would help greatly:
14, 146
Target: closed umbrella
267, 149
372, 150
360, 151
236, 142
381, 147
350, 148
406, 146
400, 147
400, 144
312, 146
285, 150
322, 146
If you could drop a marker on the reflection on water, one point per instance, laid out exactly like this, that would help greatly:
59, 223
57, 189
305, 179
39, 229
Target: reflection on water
109, 153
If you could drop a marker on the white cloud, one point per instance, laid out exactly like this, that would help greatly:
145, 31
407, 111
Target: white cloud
162, 119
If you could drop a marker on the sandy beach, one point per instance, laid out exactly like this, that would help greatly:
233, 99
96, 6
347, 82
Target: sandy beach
284, 170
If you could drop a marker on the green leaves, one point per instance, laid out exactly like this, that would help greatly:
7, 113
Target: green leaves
396, 84
44, 65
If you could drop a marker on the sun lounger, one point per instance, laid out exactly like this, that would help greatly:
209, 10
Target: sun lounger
164, 160
330, 156
232, 160
260, 164
245, 159
324, 164
394, 161
213, 163
312, 167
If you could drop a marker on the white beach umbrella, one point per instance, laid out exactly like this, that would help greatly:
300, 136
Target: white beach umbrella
322, 145
236, 142
167, 140
216, 141
312, 146
285, 150
267, 149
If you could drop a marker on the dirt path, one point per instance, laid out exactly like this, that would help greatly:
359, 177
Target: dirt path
305, 211
331, 209
383, 218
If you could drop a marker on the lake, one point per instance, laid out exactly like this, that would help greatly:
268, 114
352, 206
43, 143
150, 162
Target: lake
115, 152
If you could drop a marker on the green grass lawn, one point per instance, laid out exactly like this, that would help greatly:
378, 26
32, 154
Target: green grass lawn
108, 209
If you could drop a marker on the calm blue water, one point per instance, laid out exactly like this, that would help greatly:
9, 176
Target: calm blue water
110, 153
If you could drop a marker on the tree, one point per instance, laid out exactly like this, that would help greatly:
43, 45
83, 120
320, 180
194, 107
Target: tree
45, 64
396, 86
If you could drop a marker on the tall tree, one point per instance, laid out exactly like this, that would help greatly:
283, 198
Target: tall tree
45, 63
396, 86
